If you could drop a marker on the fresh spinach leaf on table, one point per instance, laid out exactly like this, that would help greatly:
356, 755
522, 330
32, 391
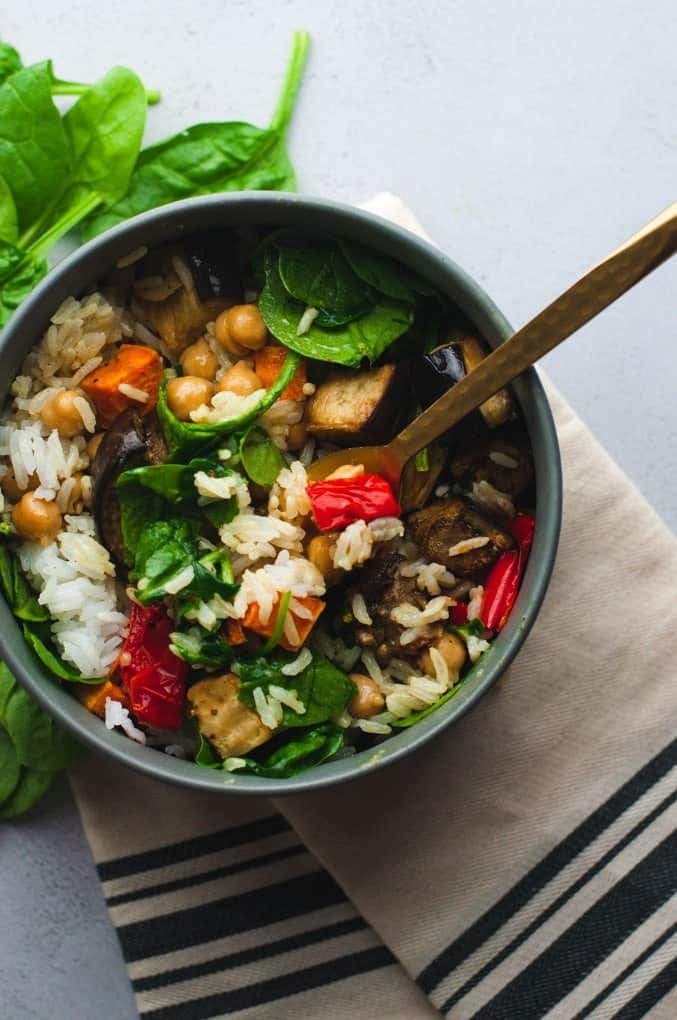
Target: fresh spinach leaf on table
31, 787
10, 769
10, 61
214, 157
38, 741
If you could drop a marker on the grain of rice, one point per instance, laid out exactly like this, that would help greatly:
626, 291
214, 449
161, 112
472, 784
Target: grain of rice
440, 666
306, 320
290, 631
385, 529
306, 454
441, 491
503, 460
485, 495
475, 646
475, 603
288, 698
180, 581
134, 393
297, 665
354, 546
344, 719
84, 409
132, 257
233, 764
117, 715
409, 615
468, 544
372, 726
372, 667
360, 611
308, 389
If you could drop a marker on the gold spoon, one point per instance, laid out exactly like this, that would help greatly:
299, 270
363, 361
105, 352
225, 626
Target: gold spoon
600, 287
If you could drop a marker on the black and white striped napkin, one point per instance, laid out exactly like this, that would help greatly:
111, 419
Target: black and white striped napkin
523, 866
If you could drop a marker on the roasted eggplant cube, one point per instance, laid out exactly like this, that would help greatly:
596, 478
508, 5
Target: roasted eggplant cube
435, 372
349, 408
132, 441
442, 530
499, 408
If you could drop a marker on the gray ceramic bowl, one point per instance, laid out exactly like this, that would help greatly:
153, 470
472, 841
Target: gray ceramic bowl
74, 274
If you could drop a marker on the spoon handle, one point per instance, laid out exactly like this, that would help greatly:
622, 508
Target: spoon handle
600, 287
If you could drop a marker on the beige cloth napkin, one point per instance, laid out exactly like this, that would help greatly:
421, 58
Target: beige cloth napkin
524, 865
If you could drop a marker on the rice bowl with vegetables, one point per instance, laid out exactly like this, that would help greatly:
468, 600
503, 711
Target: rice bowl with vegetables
163, 548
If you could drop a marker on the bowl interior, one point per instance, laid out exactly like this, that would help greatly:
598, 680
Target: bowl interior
275, 209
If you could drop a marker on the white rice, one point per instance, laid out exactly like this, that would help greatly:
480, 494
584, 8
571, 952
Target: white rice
503, 460
468, 544
475, 646
429, 576
475, 603
225, 406
353, 546
210, 488
360, 611
131, 258
74, 580
486, 496
385, 529
265, 585
258, 537
408, 615
118, 715
288, 698
306, 320
373, 726
297, 665
288, 498
372, 667
134, 393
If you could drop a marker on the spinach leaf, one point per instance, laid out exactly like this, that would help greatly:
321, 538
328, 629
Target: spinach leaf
299, 753
20, 281
185, 438
39, 743
210, 158
39, 638
321, 686
174, 482
33, 784
9, 224
103, 131
7, 685
17, 591
35, 163
317, 274
384, 274
201, 649
260, 457
164, 549
10, 769
206, 756
10, 61
367, 337
138, 506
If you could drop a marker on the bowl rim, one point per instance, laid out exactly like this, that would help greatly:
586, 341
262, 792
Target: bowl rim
182, 218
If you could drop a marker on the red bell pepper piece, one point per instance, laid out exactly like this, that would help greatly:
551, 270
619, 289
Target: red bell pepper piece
458, 614
503, 582
153, 676
337, 502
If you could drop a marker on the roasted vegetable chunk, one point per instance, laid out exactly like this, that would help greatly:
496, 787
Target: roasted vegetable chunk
504, 464
358, 407
223, 719
132, 441
451, 532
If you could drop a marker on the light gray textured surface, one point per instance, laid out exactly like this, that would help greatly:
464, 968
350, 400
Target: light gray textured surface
529, 138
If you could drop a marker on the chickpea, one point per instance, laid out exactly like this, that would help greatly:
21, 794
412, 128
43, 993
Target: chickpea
60, 412
187, 393
11, 489
240, 379
93, 445
36, 519
297, 436
369, 699
199, 359
319, 554
452, 649
240, 329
